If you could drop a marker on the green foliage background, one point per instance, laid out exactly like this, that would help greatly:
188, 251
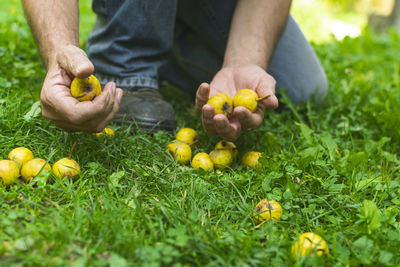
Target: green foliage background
334, 169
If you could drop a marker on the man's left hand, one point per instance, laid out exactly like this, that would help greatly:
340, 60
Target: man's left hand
229, 80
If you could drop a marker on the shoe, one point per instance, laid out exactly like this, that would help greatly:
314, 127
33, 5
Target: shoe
146, 109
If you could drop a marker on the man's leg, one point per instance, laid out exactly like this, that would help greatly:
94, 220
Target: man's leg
202, 29
128, 44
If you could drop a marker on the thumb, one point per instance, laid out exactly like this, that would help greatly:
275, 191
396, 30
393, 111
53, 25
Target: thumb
202, 95
75, 61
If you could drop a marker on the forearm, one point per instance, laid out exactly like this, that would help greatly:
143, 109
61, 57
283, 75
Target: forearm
54, 24
255, 29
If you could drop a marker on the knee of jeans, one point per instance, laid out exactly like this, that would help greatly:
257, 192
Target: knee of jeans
314, 88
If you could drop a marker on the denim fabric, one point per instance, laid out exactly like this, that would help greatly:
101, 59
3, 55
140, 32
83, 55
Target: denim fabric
137, 42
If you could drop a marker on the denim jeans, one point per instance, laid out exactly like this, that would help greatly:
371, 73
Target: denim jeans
138, 42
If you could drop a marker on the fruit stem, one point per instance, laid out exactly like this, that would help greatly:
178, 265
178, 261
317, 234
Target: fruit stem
194, 142
262, 98
73, 148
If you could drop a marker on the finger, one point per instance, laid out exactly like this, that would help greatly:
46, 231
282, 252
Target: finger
117, 101
202, 95
228, 130
265, 88
100, 122
101, 105
207, 118
75, 61
247, 119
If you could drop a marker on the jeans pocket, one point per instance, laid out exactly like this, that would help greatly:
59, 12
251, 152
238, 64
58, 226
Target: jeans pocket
100, 7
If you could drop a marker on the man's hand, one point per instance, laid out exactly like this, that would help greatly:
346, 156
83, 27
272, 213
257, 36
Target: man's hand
64, 110
229, 80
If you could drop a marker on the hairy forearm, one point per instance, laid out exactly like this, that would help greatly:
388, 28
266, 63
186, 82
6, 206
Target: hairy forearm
255, 29
54, 24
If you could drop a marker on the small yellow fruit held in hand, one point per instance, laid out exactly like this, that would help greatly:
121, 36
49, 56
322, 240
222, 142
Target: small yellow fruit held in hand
180, 151
247, 98
267, 210
251, 159
188, 136
85, 89
66, 167
9, 171
222, 103
221, 158
106, 131
202, 161
227, 145
32, 168
309, 244
20, 155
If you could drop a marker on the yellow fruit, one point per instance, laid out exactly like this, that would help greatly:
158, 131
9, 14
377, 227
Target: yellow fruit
32, 168
221, 158
106, 131
188, 136
309, 244
222, 103
20, 155
86, 88
66, 167
246, 98
180, 151
251, 159
202, 161
227, 145
9, 171
267, 210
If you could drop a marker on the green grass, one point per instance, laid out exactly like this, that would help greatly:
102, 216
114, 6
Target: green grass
132, 204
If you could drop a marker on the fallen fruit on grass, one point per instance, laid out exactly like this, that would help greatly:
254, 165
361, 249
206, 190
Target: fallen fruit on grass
247, 98
9, 171
66, 167
222, 103
251, 159
227, 145
188, 136
221, 158
202, 161
106, 131
20, 155
86, 88
267, 210
32, 168
309, 244
181, 151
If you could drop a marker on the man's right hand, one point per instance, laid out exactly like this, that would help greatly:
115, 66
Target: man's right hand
64, 110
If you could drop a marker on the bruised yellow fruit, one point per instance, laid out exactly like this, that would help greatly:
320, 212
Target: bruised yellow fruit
202, 161
9, 171
246, 98
309, 244
20, 155
181, 151
267, 210
106, 131
221, 158
32, 168
227, 145
251, 159
66, 167
188, 136
85, 89
222, 103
